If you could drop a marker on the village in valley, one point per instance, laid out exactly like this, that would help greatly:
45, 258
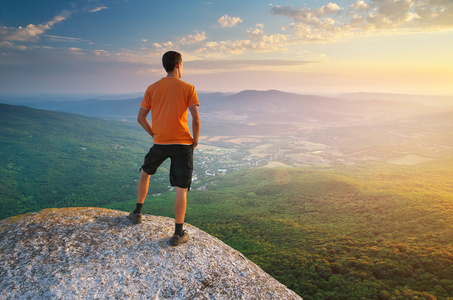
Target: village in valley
225, 155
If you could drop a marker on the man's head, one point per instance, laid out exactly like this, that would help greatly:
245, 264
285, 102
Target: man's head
170, 60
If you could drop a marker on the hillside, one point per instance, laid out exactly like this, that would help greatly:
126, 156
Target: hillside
366, 214
53, 159
91, 253
356, 232
107, 109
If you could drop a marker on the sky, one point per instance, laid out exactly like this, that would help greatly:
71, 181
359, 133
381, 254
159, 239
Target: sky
307, 47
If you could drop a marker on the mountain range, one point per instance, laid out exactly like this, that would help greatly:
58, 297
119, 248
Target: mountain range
256, 106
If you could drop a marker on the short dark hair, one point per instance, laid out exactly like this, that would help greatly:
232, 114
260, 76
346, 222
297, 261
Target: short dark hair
170, 60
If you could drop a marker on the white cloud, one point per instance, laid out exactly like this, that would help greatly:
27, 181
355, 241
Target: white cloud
98, 8
233, 65
327, 9
360, 6
9, 45
56, 38
266, 42
306, 15
168, 44
21, 34
192, 38
227, 21
31, 32
222, 48
258, 41
101, 53
178, 42
331, 22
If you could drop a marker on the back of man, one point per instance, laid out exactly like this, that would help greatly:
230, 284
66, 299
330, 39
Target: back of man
168, 100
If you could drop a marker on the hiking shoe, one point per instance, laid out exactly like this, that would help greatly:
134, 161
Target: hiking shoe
176, 240
135, 218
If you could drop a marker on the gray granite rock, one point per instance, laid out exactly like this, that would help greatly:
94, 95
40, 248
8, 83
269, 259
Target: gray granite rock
95, 253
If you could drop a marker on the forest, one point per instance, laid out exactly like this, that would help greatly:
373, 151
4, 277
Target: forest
367, 230
352, 233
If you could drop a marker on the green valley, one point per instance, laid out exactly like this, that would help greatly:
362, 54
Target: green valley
361, 211
368, 232
56, 159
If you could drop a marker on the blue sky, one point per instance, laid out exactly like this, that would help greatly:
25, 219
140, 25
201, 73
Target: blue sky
321, 47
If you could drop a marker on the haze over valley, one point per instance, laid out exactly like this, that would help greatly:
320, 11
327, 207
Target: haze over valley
289, 129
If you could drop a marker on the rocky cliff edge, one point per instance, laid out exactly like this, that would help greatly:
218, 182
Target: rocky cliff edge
95, 253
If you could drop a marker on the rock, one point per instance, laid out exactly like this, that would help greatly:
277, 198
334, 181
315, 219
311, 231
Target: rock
95, 253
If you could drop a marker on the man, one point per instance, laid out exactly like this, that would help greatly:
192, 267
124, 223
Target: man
168, 100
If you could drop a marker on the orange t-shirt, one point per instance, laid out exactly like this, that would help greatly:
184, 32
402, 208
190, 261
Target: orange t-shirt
168, 100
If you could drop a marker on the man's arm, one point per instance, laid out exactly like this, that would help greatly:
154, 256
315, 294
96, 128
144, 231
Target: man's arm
195, 124
141, 118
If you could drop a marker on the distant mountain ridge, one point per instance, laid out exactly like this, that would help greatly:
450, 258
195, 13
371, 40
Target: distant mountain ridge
26, 98
278, 106
254, 106
431, 100
106, 109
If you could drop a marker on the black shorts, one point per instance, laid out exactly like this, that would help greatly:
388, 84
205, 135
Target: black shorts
181, 166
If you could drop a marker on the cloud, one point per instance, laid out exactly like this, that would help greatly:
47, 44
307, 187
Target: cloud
192, 38
306, 15
228, 48
325, 23
264, 42
98, 9
331, 21
9, 45
234, 65
406, 15
360, 6
56, 38
32, 32
258, 41
166, 45
227, 21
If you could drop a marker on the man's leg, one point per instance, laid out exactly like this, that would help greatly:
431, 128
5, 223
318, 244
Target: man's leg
180, 205
142, 191
180, 213
143, 186
180, 177
180, 236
